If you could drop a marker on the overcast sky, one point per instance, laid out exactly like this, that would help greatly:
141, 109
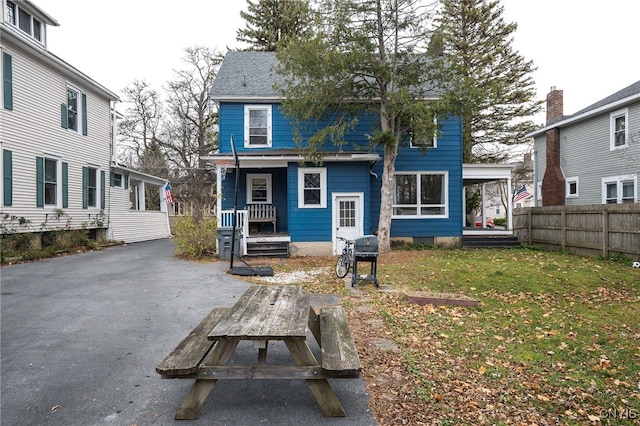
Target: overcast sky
588, 49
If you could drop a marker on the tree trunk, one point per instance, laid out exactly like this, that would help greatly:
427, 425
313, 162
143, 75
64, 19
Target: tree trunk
386, 197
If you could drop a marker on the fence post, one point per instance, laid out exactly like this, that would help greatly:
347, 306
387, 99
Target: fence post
605, 233
563, 236
529, 228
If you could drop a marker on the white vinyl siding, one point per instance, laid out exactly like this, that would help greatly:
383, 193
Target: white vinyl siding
32, 129
132, 226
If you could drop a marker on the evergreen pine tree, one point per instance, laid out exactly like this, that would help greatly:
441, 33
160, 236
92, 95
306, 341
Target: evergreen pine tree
273, 22
490, 82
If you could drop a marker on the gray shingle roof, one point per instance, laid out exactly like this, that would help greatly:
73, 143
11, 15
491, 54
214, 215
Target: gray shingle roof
246, 75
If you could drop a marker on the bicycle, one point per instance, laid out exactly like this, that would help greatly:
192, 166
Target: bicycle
344, 260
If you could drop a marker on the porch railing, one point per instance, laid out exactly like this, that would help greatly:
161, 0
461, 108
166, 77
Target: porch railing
226, 220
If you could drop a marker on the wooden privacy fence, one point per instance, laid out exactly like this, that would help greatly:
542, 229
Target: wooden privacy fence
592, 230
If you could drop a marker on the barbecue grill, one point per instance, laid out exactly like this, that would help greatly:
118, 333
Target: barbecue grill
365, 249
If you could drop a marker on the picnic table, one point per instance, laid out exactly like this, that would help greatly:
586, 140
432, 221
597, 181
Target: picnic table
263, 314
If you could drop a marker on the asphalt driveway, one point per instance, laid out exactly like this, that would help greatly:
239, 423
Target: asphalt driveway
82, 334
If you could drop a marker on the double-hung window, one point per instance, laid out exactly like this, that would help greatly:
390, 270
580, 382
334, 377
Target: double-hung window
52, 187
259, 188
619, 132
50, 182
257, 126
92, 187
430, 141
422, 194
72, 109
620, 189
93, 190
312, 187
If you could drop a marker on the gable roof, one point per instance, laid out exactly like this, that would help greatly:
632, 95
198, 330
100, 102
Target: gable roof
618, 99
246, 76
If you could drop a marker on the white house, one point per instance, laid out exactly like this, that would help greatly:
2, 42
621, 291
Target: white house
57, 142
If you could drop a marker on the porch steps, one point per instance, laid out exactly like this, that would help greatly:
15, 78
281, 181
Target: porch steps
268, 249
490, 241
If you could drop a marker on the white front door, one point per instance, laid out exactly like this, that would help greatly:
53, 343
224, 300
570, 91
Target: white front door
348, 218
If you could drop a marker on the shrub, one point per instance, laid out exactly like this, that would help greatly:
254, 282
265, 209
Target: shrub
196, 240
499, 221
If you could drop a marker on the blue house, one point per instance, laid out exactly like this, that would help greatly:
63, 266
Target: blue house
288, 205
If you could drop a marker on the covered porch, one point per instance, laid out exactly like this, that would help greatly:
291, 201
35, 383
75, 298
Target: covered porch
483, 174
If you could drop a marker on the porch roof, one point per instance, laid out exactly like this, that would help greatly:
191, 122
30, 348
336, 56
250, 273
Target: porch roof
481, 173
281, 157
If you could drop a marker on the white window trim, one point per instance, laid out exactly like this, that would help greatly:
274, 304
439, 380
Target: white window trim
99, 184
539, 191
619, 180
248, 108
569, 181
435, 138
58, 160
250, 177
445, 215
612, 121
30, 36
121, 185
323, 187
78, 113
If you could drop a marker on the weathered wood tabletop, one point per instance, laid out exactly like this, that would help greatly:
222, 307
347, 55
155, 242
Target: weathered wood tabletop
261, 314
266, 313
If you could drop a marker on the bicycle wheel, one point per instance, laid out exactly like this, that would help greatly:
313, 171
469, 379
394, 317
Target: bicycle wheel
342, 265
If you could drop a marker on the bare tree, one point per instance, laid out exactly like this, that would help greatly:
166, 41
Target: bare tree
191, 128
142, 124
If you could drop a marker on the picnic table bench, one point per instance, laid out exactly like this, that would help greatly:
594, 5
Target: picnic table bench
265, 313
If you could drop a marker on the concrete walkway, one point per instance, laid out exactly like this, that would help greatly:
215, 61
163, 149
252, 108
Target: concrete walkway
82, 334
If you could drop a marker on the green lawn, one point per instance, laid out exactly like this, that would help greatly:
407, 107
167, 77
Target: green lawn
555, 339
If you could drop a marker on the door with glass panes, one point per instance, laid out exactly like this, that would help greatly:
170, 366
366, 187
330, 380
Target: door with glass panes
348, 218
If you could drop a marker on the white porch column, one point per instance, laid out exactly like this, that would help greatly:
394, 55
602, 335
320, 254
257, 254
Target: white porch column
509, 206
482, 214
141, 200
218, 193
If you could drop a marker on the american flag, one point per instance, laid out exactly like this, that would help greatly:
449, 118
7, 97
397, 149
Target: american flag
521, 193
167, 193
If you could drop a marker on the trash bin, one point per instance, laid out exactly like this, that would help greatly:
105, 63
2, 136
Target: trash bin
224, 243
365, 249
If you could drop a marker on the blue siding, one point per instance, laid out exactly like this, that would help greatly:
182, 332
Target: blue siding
315, 224
232, 123
447, 156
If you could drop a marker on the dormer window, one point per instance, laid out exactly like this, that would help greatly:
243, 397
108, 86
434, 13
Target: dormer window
24, 20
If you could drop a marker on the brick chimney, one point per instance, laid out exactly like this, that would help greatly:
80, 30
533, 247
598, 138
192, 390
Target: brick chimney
553, 183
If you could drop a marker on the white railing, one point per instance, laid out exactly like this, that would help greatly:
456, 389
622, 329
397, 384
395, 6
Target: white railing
242, 223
